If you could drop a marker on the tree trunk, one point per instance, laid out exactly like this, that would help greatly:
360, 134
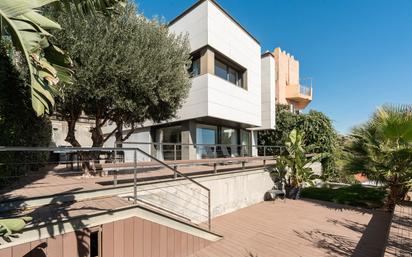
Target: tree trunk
71, 132
98, 141
119, 132
394, 197
97, 136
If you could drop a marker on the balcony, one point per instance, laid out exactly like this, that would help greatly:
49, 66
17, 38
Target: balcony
298, 95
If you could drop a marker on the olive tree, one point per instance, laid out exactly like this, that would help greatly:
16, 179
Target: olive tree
128, 69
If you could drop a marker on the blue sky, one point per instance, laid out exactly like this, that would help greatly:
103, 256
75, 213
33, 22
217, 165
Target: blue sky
359, 52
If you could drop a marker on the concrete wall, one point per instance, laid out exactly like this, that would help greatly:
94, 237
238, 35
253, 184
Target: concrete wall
236, 191
229, 192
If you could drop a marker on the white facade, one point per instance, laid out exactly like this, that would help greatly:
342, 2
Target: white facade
268, 91
208, 25
226, 109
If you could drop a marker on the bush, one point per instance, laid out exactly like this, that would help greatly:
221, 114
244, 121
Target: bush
320, 136
19, 126
354, 195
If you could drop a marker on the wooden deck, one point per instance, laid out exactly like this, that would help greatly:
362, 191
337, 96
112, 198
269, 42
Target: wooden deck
57, 180
400, 237
299, 228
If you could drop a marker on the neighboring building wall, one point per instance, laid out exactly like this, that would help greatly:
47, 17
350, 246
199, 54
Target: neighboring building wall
288, 83
142, 135
83, 134
123, 238
287, 73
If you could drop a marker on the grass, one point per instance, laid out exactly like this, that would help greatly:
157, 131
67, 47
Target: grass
354, 195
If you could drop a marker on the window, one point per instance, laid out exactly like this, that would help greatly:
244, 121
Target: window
245, 138
206, 139
220, 69
194, 69
94, 244
229, 73
229, 142
172, 136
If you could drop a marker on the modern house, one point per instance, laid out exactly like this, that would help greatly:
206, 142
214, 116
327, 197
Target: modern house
155, 208
291, 89
232, 94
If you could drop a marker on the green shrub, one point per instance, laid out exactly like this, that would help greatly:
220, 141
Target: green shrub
19, 125
354, 195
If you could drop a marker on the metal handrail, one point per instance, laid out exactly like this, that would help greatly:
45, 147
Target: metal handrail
96, 149
186, 144
92, 149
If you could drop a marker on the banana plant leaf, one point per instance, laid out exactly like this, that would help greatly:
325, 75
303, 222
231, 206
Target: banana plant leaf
47, 64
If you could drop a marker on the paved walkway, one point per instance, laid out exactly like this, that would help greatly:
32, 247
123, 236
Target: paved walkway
400, 237
299, 228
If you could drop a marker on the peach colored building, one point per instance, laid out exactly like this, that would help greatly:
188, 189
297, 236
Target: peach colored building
289, 86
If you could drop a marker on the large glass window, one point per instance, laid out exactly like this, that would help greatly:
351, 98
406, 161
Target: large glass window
245, 138
172, 136
205, 138
229, 142
229, 73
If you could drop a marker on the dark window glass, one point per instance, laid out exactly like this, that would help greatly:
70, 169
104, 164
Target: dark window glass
94, 244
226, 72
220, 69
232, 76
194, 69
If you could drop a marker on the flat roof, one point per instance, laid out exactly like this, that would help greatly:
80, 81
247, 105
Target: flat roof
199, 2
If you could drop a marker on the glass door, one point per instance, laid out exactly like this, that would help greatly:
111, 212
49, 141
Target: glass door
229, 138
172, 137
245, 138
206, 141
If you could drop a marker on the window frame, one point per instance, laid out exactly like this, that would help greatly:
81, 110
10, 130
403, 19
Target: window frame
230, 69
195, 58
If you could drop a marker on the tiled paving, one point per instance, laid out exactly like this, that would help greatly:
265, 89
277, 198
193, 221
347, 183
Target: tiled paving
299, 228
400, 237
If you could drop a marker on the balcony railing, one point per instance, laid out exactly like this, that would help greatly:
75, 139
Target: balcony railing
306, 91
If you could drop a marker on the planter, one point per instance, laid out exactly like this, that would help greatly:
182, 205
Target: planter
292, 192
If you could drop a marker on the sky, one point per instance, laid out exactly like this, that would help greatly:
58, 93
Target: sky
358, 52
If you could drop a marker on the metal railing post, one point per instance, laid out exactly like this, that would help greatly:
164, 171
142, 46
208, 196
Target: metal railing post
264, 150
115, 171
135, 178
174, 152
209, 214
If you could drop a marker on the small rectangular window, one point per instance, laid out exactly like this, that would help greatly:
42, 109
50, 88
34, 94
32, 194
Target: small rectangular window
194, 69
228, 72
220, 69
94, 244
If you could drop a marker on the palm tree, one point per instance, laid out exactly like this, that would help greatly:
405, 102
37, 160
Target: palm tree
46, 63
381, 149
